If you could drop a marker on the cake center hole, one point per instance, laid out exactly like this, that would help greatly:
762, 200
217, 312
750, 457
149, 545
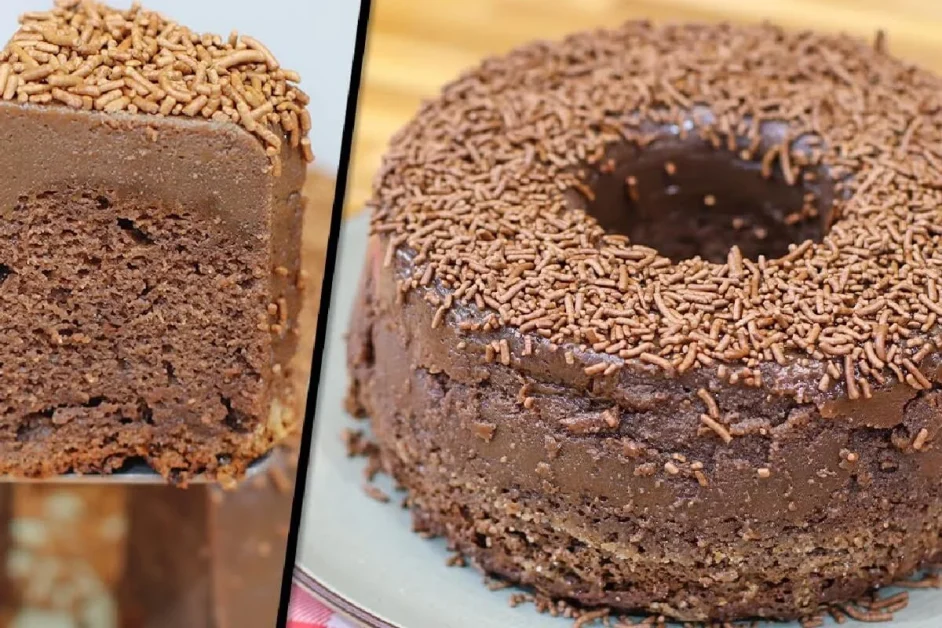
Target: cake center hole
691, 200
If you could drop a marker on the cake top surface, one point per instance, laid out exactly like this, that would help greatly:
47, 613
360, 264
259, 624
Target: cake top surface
474, 192
88, 56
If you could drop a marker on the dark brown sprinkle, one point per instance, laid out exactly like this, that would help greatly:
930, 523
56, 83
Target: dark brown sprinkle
589, 617
866, 615
893, 601
375, 492
495, 584
879, 41
476, 188
357, 444
373, 467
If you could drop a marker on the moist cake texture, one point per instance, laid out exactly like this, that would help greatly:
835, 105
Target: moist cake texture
650, 318
150, 220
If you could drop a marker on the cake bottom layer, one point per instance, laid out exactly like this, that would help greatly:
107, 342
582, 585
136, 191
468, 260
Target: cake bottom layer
563, 553
105, 441
579, 548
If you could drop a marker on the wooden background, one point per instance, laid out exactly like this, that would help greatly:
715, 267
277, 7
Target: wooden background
415, 46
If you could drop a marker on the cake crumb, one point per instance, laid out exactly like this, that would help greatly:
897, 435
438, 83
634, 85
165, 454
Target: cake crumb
552, 446
484, 431
519, 598
496, 584
373, 467
920, 440
717, 428
357, 445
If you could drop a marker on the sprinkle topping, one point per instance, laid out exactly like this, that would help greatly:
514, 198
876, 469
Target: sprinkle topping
85, 55
474, 192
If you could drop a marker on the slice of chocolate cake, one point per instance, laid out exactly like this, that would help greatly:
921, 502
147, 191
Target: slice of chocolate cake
150, 221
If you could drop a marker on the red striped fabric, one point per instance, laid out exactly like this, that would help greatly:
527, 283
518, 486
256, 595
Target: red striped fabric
306, 611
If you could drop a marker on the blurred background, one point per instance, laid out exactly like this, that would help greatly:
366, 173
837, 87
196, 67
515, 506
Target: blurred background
315, 38
415, 46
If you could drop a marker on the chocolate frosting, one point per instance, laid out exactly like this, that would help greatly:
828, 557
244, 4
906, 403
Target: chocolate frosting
212, 167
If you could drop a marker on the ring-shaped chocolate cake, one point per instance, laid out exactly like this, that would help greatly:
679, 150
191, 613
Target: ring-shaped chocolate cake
651, 318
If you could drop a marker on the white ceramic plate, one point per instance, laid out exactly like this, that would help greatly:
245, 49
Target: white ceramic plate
361, 557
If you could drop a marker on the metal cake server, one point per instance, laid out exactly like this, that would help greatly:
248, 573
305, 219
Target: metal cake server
135, 472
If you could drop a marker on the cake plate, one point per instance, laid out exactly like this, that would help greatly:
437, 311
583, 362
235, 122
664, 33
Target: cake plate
360, 556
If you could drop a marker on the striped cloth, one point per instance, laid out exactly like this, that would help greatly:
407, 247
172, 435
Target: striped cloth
306, 611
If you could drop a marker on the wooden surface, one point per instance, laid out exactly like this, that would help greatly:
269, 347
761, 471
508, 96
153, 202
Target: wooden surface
415, 46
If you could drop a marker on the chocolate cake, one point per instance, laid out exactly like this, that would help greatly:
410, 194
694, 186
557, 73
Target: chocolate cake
650, 319
150, 221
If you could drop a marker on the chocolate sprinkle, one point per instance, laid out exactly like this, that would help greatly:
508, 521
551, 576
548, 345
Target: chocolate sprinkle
85, 55
477, 188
